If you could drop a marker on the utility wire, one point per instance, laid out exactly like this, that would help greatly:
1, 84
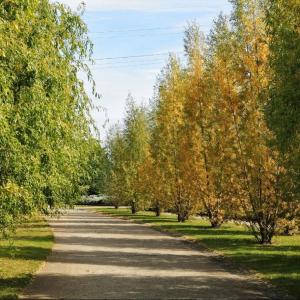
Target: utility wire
127, 66
127, 61
136, 29
135, 56
138, 35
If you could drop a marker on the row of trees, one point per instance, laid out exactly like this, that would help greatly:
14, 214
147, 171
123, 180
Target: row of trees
221, 136
45, 137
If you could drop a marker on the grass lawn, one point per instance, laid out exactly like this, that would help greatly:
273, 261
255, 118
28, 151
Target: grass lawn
278, 263
22, 255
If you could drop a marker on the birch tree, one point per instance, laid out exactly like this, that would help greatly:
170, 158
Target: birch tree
45, 123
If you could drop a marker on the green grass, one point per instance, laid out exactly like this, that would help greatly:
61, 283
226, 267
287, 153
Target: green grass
21, 256
278, 263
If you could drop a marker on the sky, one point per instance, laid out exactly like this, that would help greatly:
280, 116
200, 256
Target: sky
143, 31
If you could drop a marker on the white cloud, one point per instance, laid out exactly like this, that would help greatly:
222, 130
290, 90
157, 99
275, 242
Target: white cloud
146, 5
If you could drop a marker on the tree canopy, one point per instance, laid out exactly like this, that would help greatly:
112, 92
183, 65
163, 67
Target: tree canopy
223, 127
44, 109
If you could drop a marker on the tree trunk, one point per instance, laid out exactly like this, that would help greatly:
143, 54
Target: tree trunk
116, 206
133, 208
157, 211
215, 219
182, 217
179, 218
266, 234
215, 224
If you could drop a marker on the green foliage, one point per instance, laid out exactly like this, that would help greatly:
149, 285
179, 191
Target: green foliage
98, 167
128, 148
44, 110
116, 180
136, 137
283, 111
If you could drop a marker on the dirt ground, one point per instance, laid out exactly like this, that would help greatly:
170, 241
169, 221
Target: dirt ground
101, 257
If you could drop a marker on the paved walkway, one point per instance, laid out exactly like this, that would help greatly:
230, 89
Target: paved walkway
100, 257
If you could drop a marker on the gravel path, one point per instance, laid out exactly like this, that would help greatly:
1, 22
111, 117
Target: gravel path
100, 257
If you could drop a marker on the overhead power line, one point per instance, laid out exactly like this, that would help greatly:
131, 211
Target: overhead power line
128, 61
148, 34
128, 66
135, 56
115, 65
136, 29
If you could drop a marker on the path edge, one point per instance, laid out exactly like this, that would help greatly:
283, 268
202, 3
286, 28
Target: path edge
217, 256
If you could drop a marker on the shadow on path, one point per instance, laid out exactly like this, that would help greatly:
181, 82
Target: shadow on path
99, 257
